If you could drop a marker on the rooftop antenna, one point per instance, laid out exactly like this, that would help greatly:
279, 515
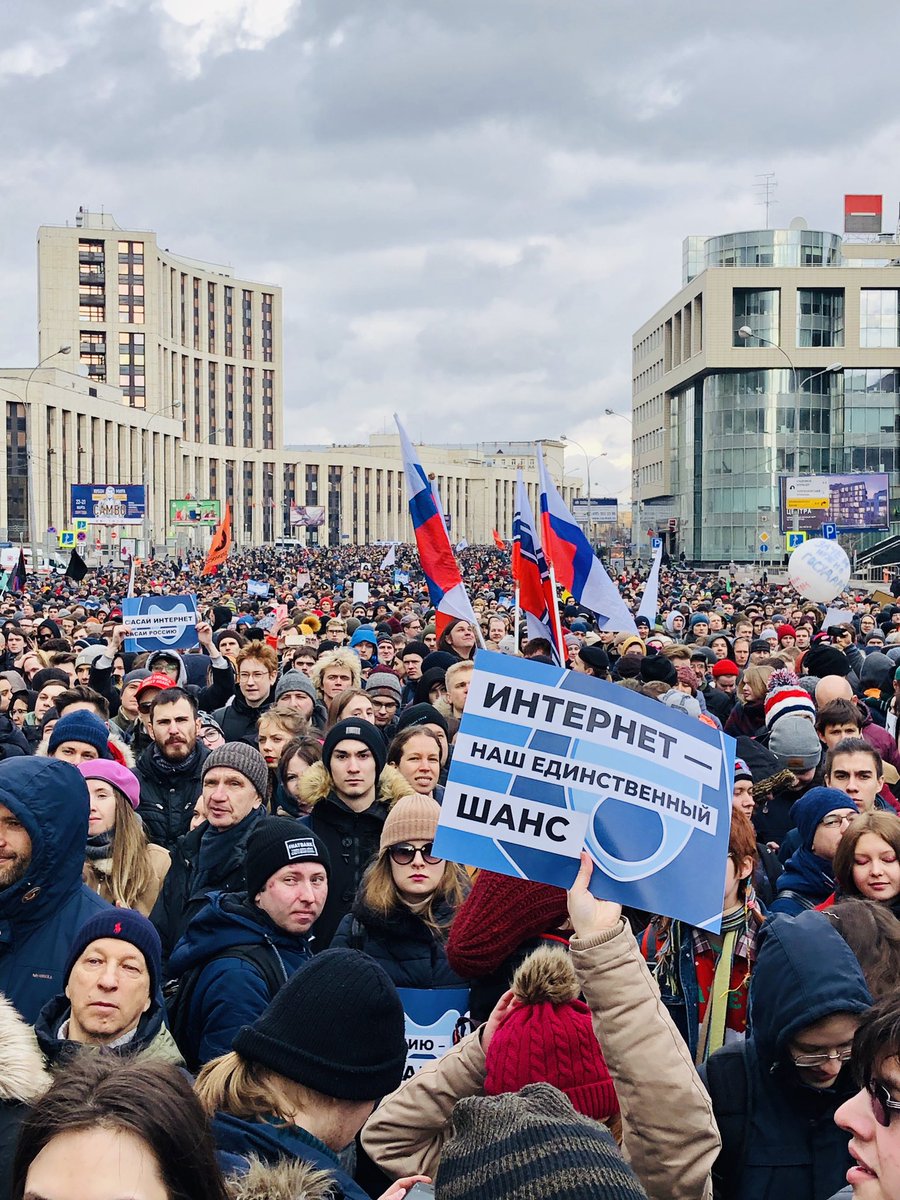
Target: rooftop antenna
765, 187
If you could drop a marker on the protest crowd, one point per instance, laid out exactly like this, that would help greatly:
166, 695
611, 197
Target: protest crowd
221, 906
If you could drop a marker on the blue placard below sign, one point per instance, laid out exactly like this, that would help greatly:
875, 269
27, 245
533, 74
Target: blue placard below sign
160, 622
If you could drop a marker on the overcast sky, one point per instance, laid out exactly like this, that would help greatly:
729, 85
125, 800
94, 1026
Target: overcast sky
470, 204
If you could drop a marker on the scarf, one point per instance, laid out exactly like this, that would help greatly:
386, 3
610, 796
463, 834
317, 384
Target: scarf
722, 985
808, 874
184, 766
100, 846
222, 851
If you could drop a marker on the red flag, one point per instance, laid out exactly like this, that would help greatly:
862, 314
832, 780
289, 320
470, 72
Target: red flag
220, 545
498, 540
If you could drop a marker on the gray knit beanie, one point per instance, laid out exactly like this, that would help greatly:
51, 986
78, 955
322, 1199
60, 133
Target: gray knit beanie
243, 759
295, 681
531, 1145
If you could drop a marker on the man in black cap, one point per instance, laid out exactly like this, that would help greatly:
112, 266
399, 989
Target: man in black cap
237, 951
349, 792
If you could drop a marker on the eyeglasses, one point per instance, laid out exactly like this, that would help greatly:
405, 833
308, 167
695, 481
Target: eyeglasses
403, 853
145, 706
880, 1099
378, 703
837, 819
819, 1060
210, 734
247, 676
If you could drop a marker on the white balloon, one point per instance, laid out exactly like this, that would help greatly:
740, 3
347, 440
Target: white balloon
819, 569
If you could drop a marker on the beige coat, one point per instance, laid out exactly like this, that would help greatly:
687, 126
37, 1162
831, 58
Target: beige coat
668, 1132
94, 875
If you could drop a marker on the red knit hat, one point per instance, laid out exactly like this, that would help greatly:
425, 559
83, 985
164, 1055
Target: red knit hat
786, 631
499, 914
725, 667
549, 1038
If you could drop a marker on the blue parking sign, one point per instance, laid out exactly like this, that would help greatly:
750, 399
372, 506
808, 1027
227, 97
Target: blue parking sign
656, 543
829, 531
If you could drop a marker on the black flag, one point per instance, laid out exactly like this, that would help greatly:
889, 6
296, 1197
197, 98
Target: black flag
77, 568
17, 579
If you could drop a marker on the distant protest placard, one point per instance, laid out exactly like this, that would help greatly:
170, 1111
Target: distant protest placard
432, 1016
548, 761
160, 622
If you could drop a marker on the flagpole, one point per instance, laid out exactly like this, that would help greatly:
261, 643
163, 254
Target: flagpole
557, 624
516, 620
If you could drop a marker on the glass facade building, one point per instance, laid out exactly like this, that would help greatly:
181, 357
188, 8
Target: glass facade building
720, 418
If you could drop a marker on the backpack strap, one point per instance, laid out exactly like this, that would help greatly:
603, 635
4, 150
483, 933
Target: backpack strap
802, 900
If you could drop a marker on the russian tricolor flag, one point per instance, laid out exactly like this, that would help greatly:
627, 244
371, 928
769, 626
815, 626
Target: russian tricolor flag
532, 575
573, 560
445, 585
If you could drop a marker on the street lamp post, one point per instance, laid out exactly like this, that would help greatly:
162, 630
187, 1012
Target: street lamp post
588, 461
746, 332
636, 535
29, 455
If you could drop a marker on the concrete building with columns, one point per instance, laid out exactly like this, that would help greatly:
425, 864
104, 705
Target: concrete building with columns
162, 370
179, 339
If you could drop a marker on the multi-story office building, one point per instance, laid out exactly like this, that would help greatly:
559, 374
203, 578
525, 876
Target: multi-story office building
779, 356
180, 338
362, 490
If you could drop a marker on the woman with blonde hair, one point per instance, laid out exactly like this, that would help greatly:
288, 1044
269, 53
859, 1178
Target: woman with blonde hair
120, 864
277, 728
867, 860
749, 714
407, 901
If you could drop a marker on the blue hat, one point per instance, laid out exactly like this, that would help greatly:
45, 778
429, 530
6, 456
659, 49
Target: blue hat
809, 810
81, 727
363, 634
125, 925
697, 618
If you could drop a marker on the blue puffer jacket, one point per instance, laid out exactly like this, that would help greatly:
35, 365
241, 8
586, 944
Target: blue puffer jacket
40, 914
401, 943
229, 992
271, 1142
792, 1149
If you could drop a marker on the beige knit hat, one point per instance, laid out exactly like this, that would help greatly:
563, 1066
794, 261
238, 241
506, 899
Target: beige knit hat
413, 818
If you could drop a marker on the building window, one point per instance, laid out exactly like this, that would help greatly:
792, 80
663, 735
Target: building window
229, 404
248, 406
196, 399
879, 317
247, 322
132, 378
820, 317
268, 501
229, 322
761, 311
211, 318
184, 279
266, 323
248, 500
212, 369
268, 411
92, 353
16, 473
131, 283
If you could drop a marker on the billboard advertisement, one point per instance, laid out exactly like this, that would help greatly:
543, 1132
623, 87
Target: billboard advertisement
601, 510
190, 513
108, 503
852, 503
310, 515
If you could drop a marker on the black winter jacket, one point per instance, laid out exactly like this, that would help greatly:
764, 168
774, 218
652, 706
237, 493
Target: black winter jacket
351, 839
401, 943
168, 796
205, 860
239, 720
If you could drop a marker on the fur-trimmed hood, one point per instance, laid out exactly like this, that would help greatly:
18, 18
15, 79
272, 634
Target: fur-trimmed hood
316, 783
287, 1180
23, 1077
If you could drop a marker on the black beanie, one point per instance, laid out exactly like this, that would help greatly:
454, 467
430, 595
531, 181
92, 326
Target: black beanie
276, 843
657, 666
422, 714
336, 1026
420, 648
825, 660
595, 657
358, 730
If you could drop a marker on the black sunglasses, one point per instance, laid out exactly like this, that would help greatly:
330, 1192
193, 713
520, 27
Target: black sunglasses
882, 1104
145, 706
403, 853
